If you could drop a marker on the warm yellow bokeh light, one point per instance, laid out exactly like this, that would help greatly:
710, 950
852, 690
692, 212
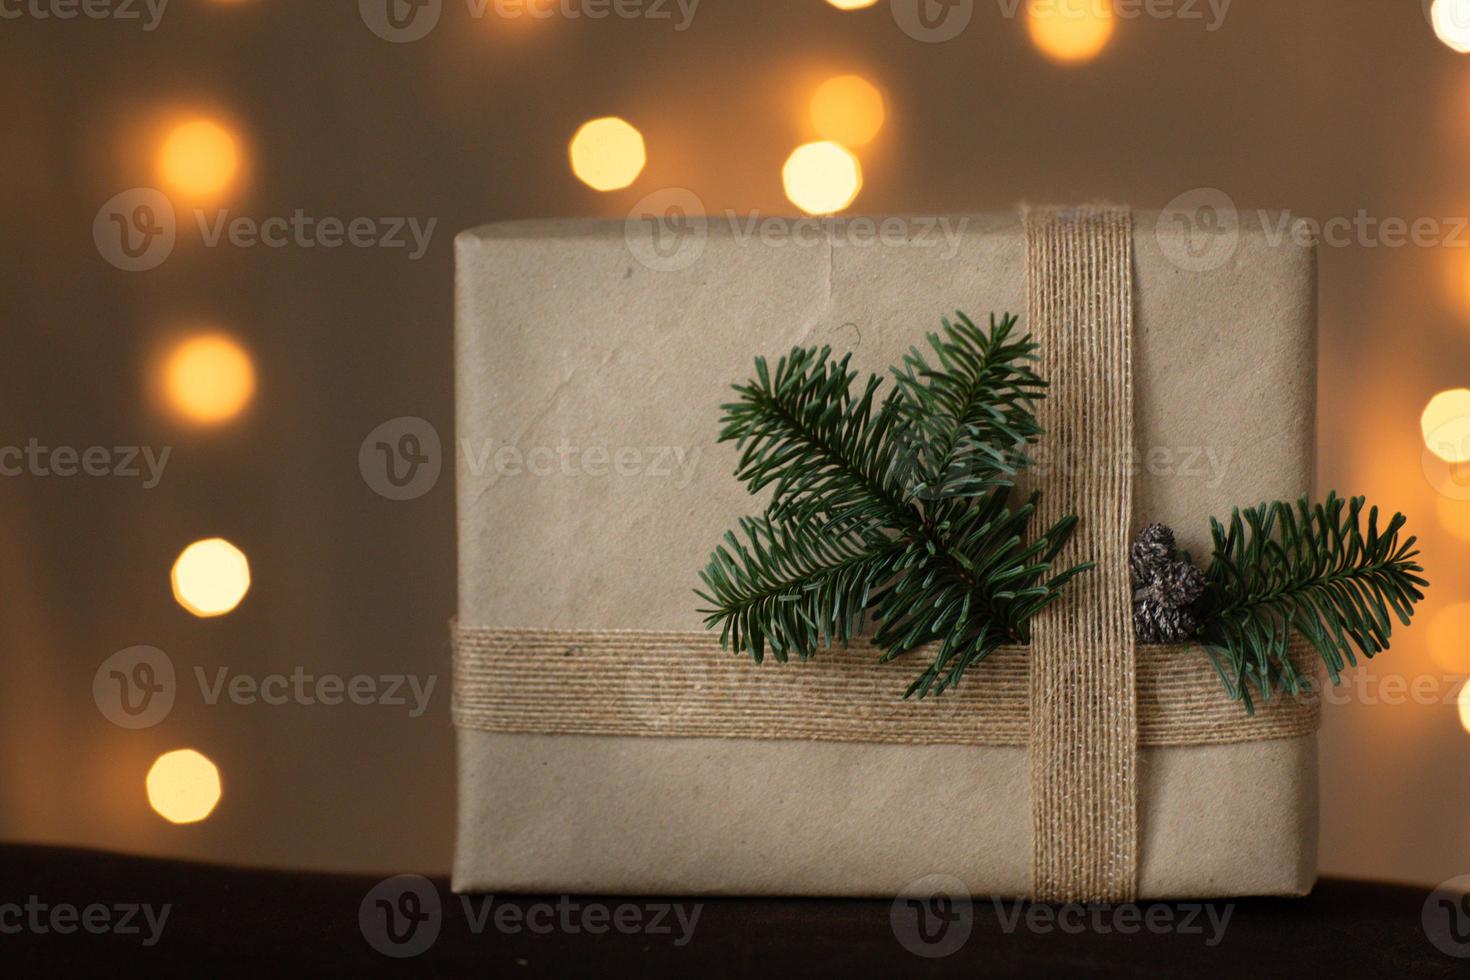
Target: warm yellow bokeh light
851, 4
847, 109
1445, 425
1451, 19
821, 178
1069, 30
210, 577
207, 379
198, 158
183, 786
607, 154
1449, 638
1464, 700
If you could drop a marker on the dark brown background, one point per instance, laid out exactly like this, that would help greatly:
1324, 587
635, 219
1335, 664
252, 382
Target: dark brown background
1326, 107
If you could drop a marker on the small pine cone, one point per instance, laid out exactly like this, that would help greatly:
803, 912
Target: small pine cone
1146, 622
1175, 625
1152, 549
1178, 586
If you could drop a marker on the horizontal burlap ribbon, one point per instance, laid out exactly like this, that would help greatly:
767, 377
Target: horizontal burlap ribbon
682, 684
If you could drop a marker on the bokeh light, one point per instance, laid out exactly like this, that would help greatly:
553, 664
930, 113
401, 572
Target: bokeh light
1451, 20
1464, 700
607, 154
1449, 637
207, 379
210, 577
851, 4
1445, 424
847, 109
198, 158
821, 178
1069, 31
183, 786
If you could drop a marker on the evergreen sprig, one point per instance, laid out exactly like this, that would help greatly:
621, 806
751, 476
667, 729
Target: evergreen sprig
893, 506
973, 411
1314, 569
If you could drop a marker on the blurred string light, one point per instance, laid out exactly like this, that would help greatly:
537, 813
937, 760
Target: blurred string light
210, 577
1451, 20
851, 4
1445, 424
1069, 31
847, 109
1449, 638
207, 379
607, 154
198, 158
1464, 700
821, 178
183, 786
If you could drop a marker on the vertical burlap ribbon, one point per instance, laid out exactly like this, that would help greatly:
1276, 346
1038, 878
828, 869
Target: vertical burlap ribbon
1084, 712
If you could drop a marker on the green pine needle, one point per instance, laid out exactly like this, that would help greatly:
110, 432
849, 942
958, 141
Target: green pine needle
893, 507
1312, 569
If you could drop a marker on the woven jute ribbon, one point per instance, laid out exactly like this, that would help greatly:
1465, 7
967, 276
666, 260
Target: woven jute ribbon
1084, 712
1082, 698
684, 685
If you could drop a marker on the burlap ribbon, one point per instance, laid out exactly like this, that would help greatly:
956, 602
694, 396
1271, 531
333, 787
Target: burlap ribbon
1084, 715
1081, 697
650, 683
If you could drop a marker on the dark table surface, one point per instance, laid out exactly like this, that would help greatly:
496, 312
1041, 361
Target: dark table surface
65, 912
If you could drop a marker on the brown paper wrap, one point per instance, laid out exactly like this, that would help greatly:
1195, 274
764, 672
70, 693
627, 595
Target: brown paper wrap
574, 352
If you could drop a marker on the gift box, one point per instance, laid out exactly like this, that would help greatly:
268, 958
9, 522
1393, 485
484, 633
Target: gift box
607, 744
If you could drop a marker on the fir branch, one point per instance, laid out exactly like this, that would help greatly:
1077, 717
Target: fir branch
1312, 569
793, 587
943, 559
827, 452
973, 413
975, 590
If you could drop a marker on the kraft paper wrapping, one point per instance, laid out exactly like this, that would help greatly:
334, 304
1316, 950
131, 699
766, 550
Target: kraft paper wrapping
590, 369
